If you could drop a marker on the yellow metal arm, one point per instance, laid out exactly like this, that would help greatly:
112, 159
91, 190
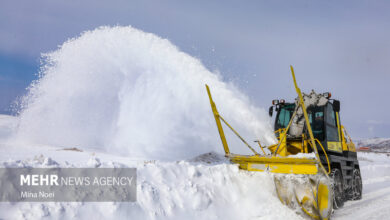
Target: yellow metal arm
302, 103
218, 119
239, 136
219, 125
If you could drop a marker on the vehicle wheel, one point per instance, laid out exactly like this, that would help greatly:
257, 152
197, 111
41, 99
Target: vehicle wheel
338, 188
357, 186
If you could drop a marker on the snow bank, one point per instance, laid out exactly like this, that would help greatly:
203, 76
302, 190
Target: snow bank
166, 190
124, 91
303, 155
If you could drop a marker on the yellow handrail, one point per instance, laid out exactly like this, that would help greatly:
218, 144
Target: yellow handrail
326, 155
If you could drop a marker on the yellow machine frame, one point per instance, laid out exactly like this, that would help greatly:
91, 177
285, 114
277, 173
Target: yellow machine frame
279, 162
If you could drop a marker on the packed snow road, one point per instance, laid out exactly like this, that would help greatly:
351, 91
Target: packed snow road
375, 204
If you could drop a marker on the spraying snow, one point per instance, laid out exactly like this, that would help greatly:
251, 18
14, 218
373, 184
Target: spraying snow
122, 90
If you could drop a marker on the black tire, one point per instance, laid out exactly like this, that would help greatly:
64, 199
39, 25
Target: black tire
357, 186
338, 188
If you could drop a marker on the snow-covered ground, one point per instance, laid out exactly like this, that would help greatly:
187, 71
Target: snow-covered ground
205, 187
375, 171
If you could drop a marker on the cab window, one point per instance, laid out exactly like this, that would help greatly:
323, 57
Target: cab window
331, 124
316, 119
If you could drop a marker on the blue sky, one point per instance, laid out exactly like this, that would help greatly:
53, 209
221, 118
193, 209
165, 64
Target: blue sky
341, 47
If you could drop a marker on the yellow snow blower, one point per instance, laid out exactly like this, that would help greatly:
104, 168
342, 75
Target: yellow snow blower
314, 163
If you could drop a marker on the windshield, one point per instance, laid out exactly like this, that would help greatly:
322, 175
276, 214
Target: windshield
315, 114
284, 116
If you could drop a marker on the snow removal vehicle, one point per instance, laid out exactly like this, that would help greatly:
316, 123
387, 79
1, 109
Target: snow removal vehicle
314, 163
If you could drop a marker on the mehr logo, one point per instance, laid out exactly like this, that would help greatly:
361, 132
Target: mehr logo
39, 180
54, 180
68, 184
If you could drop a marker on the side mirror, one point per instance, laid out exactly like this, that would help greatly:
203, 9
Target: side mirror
271, 111
336, 105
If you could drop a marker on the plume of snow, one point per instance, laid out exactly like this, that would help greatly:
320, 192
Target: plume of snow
121, 90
